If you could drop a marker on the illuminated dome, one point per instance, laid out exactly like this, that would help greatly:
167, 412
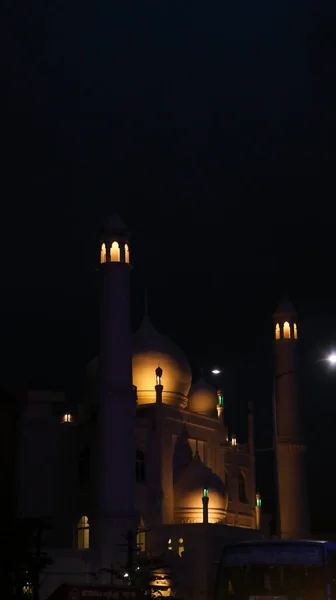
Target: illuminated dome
188, 492
152, 350
202, 398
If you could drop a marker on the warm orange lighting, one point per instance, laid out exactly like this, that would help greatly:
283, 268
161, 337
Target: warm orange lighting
295, 332
141, 537
127, 256
67, 418
234, 441
286, 330
277, 331
103, 253
115, 252
170, 547
180, 547
83, 533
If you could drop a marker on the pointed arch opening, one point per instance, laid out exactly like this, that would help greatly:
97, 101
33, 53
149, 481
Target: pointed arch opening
286, 330
295, 331
277, 331
242, 488
227, 484
103, 253
141, 536
140, 470
83, 533
127, 256
115, 252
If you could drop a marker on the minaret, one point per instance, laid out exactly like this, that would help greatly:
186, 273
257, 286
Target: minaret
289, 447
251, 450
220, 406
117, 402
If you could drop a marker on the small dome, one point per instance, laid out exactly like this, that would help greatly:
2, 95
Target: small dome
285, 308
152, 350
114, 224
188, 492
202, 398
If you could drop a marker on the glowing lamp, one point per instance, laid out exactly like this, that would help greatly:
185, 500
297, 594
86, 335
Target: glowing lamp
332, 358
216, 371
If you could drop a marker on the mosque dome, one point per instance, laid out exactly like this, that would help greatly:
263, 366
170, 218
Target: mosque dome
188, 492
151, 350
202, 398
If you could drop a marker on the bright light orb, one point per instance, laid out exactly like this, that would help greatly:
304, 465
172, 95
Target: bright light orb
216, 371
332, 358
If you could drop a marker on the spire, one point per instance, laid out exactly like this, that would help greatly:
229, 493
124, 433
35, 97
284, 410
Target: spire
145, 316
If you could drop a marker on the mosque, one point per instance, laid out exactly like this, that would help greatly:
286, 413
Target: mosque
148, 451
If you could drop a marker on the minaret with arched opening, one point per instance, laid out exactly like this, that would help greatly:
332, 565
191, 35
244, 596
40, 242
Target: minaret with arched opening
117, 404
290, 448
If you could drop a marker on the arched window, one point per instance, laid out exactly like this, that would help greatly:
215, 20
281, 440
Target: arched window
84, 465
83, 533
295, 332
103, 253
180, 548
226, 482
286, 330
67, 418
127, 256
141, 537
140, 473
242, 488
277, 331
115, 252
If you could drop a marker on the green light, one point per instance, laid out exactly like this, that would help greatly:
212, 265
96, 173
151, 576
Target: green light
205, 493
258, 502
221, 400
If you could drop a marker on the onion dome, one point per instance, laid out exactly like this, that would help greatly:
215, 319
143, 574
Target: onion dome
189, 489
150, 351
202, 398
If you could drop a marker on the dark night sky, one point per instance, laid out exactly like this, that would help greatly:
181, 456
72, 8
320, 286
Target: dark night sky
211, 128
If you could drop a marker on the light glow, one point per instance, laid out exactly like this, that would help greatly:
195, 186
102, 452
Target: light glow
332, 358
216, 371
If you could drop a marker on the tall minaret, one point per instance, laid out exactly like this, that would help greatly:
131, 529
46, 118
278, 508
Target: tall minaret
290, 448
117, 402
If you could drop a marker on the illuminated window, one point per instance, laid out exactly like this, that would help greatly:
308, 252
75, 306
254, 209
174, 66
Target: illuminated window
242, 488
295, 332
83, 533
180, 548
286, 330
115, 252
103, 253
170, 545
141, 537
127, 257
67, 418
140, 471
277, 331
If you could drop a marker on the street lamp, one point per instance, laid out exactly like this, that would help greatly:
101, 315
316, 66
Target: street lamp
216, 371
332, 359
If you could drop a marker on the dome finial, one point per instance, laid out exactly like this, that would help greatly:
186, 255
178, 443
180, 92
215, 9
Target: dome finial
146, 304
